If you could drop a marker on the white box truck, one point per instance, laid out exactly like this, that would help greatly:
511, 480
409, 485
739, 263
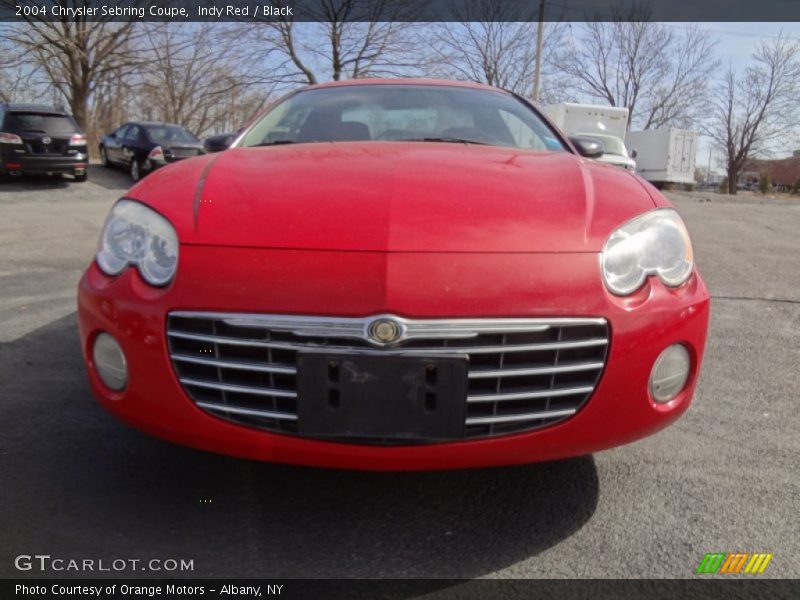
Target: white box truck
664, 156
606, 123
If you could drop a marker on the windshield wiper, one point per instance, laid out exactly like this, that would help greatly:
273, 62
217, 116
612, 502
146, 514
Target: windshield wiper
446, 140
443, 140
275, 143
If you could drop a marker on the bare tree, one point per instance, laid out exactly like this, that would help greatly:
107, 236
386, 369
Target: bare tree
497, 53
195, 75
112, 104
487, 46
75, 54
658, 72
681, 97
757, 109
347, 39
15, 79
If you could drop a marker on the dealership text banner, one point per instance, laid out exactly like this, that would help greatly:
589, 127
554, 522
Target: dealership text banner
395, 10
397, 589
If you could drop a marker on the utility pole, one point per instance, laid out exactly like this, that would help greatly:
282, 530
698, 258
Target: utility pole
539, 44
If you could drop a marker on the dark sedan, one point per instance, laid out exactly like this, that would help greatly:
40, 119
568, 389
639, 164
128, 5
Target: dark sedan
142, 147
219, 142
41, 140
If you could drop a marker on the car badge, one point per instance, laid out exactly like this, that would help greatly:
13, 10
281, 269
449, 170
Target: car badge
384, 331
46, 140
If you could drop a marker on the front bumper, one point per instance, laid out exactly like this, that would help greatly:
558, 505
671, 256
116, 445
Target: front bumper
409, 284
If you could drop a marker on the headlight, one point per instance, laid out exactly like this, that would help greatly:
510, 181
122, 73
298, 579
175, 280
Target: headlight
655, 243
137, 235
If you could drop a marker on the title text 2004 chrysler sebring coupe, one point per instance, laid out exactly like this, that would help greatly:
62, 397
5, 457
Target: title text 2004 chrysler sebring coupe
395, 275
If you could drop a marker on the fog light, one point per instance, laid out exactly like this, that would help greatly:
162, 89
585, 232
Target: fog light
110, 362
670, 372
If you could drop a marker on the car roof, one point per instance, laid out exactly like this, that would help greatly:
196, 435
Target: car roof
155, 124
406, 81
40, 108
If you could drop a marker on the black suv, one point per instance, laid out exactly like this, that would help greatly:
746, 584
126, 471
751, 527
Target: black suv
41, 139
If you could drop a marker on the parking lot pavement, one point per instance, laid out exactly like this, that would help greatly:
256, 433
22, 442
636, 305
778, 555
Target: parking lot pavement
48, 233
78, 484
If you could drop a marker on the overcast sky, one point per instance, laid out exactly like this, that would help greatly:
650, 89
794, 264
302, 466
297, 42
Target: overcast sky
738, 40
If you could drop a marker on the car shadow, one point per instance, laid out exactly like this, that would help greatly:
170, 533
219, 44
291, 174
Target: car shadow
110, 178
78, 483
26, 183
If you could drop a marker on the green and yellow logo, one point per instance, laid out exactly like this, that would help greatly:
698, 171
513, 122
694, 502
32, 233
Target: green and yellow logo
734, 563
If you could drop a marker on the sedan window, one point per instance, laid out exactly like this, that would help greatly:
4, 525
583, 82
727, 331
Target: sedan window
170, 133
132, 133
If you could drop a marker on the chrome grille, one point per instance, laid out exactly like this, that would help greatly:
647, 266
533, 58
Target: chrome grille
523, 373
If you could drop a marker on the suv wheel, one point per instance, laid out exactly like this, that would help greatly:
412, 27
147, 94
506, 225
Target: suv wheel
136, 170
104, 157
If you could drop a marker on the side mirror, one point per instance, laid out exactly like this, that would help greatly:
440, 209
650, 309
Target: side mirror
587, 146
634, 153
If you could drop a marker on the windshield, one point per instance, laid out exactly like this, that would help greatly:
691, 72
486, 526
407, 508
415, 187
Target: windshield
612, 145
170, 133
19, 122
403, 113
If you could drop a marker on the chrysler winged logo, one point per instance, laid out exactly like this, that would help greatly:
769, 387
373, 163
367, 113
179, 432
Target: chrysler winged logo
384, 331
46, 140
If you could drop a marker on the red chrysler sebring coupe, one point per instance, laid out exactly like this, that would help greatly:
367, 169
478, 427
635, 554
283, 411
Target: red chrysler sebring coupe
395, 274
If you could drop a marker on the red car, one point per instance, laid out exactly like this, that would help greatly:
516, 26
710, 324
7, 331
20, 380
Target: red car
395, 274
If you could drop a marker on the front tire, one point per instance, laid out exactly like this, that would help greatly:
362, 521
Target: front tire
81, 178
136, 170
104, 157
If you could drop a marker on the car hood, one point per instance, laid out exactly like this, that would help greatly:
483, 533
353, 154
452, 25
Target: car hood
395, 197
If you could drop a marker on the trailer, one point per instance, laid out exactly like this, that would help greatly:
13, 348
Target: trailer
605, 123
664, 156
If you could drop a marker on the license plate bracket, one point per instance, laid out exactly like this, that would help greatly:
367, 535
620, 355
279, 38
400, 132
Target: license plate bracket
352, 395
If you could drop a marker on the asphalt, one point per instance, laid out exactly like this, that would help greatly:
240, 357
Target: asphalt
76, 483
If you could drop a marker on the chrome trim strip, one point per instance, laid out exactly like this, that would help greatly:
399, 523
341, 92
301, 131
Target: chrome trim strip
250, 412
528, 395
491, 373
243, 389
408, 351
409, 329
550, 414
243, 366
219, 339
